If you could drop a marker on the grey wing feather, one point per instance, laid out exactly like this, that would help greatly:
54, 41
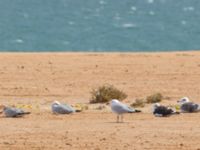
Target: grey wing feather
62, 109
189, 107
14, 112
122, 109
9, 112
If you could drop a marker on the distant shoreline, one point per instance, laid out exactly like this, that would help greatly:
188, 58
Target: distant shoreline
97, 52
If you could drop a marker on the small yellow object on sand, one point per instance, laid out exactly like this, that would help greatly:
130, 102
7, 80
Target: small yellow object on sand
177, 107
80, 107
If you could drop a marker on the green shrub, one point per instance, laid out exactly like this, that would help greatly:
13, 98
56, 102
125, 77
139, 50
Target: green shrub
138, 103
105, 93
157, 97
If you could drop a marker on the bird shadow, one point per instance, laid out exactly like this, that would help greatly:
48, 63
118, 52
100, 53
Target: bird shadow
11, 117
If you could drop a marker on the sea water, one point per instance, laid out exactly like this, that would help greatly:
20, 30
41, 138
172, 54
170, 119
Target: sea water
99, 25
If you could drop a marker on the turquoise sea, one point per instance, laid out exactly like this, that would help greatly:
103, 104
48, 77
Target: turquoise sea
99, 25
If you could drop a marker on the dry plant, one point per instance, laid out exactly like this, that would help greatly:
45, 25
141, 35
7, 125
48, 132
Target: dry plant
138, 103
105, 93
154, 98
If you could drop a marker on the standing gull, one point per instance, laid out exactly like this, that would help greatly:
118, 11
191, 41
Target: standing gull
120, 109
162, 111
58, 108
14, 112
187, 106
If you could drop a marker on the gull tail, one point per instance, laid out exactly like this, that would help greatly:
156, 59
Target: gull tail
135, 111
24, 113
77, 110
175, 113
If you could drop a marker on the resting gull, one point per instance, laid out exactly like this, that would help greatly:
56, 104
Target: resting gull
162, 111
120, 109
14, 112
187, 106
59, 108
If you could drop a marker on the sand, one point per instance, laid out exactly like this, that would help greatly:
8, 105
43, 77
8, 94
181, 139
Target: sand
34, 80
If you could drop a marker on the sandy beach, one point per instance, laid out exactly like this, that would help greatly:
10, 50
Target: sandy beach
37, 79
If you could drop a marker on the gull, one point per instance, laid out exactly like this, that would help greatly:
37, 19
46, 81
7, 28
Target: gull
120, 109
162, 111
14, 112
58, 108
187, 106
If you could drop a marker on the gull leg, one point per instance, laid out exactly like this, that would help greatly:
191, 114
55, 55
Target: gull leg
122, 118
117, 118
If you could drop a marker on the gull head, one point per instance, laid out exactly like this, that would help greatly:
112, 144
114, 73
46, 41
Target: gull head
183, 100
155, 105
114, 101
56, 103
